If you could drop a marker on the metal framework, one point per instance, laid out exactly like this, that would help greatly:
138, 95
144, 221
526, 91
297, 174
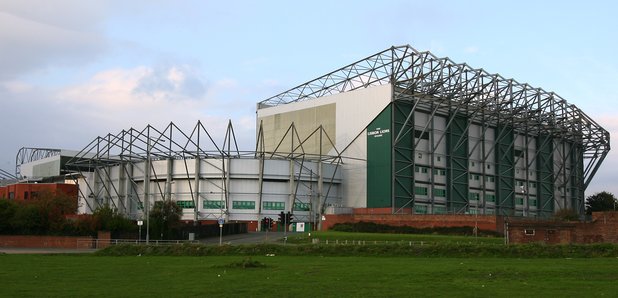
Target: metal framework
466, 96
26, 155
129, 147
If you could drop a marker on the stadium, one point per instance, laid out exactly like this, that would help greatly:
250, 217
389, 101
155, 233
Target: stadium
398, 132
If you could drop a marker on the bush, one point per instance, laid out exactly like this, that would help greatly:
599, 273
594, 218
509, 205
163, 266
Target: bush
386, 250
371, 227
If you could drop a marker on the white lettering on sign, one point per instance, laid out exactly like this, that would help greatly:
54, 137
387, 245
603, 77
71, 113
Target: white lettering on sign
378, 132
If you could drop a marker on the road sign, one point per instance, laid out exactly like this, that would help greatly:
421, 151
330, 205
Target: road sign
221, 221
140, 222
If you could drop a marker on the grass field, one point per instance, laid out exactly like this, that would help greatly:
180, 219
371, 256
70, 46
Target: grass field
310, 276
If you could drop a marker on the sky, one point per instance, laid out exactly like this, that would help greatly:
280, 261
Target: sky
72, 70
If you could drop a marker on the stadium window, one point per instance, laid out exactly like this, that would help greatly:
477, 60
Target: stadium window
477, 177
439, 209
532, 202
417, 169
302, 207
25, 195
11, 195
419, 134
488, 166
418, 190
519, 200
437, 192
273, 205
490, 197
490, 178
420, 209
473, 196
243, 204
529, 232
213, 204
518, 153
438, 158
185, 204
424, 170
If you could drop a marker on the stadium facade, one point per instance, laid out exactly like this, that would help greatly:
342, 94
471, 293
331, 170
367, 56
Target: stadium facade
400, 131
427, 135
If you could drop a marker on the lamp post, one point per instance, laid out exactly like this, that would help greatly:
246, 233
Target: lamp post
140, 223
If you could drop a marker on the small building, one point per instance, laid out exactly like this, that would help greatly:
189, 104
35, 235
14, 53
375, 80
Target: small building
29, 191
603, 228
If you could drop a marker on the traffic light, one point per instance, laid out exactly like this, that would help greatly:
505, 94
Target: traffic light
282, 217
288, 217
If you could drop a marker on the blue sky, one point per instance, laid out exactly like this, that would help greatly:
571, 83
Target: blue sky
74, 70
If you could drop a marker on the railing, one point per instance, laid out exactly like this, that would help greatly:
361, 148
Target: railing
102, 243
370, 242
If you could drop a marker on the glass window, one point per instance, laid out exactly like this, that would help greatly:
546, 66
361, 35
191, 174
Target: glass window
185, 204
273, 205
302, 206
243, 204
473, 196
519, 200
489, 197
213, 204
439, 192
420, 190
439, 209
420, 209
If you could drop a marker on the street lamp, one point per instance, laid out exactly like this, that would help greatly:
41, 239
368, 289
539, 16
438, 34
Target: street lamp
140, 223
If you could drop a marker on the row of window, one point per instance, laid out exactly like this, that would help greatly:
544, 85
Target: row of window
247, 205
423, 191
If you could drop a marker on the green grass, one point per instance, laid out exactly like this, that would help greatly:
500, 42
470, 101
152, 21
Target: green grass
332, 236
304, 276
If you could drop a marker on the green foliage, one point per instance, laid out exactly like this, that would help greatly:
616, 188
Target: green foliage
107, 218
371, 227
7, 211
567, 214
451, 250
47, 214
602, 201
164, 217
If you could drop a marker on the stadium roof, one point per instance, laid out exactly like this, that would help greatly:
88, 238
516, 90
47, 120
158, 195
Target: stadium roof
475, 92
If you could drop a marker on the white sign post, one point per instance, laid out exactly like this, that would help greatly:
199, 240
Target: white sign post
221, 222
140, 223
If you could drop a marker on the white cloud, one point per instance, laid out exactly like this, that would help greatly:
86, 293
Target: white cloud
471, 49
39, 34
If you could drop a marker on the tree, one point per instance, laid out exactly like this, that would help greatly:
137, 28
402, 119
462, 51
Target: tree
164, 216
602, 201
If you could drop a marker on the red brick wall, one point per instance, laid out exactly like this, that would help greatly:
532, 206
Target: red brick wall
45, 241
483, 222
602, 229
21, 190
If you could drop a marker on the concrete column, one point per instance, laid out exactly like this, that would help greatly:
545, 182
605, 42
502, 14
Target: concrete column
196, 191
